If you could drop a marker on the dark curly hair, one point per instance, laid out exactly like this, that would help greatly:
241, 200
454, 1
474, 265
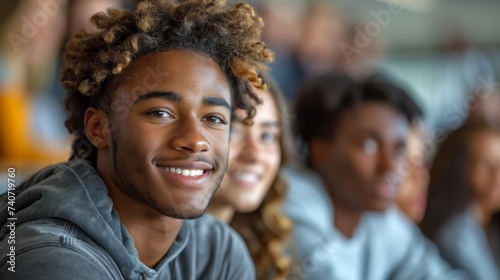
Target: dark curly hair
229, 34
322, 100
266, 230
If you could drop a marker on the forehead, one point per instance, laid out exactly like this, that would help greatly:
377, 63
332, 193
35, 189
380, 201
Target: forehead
266, 111
184, 72
373, 117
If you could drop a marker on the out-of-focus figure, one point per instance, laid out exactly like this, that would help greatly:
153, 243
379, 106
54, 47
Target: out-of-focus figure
345, 220
282, 32
360, 55
463, 213
323, 32
412, 197
28, 51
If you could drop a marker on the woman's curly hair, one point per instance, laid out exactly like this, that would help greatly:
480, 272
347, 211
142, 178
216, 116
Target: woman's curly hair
266, 230
229, 34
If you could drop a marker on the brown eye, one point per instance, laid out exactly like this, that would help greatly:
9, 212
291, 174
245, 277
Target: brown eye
159, 113
216, 119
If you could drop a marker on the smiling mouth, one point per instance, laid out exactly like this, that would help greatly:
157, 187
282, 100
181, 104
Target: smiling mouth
247, 177
184, 172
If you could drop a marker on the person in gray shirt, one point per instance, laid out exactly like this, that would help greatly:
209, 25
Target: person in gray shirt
345, 223
150, 99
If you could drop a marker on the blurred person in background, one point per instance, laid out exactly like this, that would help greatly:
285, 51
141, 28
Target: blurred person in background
251, 195
463, 214
346, 225
282, 32
465, 63
323, 31
33, 34
360, 56
412, 196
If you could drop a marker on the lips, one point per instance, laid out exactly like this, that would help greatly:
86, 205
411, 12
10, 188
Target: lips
385, 190
247, 179
245, 176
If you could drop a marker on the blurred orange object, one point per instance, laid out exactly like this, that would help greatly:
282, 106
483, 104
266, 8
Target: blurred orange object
18, 147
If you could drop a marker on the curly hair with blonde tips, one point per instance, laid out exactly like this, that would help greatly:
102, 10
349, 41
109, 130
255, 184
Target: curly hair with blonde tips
229, 34
266, 230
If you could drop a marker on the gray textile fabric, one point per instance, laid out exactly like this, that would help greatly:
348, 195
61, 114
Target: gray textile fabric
464, 244
66, 228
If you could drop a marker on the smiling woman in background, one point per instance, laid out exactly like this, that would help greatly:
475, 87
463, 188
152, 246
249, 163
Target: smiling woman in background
251, 194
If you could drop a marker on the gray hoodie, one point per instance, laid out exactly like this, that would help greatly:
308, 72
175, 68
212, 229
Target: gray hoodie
65, 227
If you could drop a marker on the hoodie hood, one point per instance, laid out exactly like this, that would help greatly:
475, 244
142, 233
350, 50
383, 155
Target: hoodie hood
73, 191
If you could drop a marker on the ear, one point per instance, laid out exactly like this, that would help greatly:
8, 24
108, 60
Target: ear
97, 128
317, 151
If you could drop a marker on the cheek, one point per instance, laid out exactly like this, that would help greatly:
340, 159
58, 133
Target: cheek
272, 160
220, 146
140, 144
359, 165
233, 153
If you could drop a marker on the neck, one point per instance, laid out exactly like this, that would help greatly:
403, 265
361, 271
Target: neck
346, 220
152, 232
222, 211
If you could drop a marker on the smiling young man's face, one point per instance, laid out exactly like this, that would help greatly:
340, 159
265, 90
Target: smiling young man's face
167, 147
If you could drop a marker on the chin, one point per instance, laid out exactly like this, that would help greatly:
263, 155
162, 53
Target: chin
184, 215
379, 207
247, 207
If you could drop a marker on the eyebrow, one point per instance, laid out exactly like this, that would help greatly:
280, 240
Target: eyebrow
271, 124
175, 97
171, 96
216, 101
276, 124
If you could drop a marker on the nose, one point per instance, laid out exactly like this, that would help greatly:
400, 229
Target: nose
190, 137
388, 161
249, 149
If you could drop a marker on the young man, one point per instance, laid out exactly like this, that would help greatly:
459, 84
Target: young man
344, 224
151, 96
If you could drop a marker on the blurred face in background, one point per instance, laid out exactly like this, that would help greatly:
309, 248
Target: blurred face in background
412, 197
323, 31
280, 15
359, 164
254, 157
484, 171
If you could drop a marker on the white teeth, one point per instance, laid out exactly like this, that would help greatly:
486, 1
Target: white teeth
184, 172
246, 176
